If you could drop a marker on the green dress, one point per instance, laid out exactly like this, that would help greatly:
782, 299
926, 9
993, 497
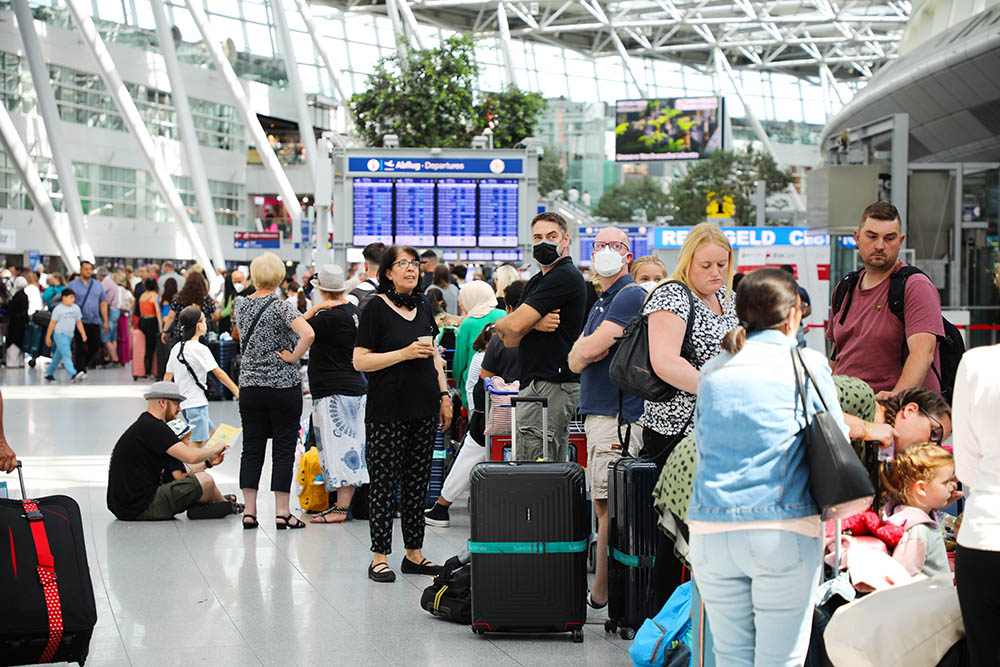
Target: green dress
468, 331
672, 494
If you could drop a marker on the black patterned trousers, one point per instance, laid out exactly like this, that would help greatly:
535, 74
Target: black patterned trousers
399, 453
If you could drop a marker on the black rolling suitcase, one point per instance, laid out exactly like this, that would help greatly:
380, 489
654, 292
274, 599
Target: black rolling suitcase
224, 352
530, 528
632, 541
48, 611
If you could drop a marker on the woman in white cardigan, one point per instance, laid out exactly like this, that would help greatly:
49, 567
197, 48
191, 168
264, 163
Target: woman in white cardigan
977, 464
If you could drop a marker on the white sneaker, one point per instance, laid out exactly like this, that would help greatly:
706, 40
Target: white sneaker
79, 377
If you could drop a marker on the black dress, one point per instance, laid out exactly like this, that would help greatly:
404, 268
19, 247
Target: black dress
17, 319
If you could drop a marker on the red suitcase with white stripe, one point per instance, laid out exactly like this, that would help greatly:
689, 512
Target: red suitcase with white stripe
48, 611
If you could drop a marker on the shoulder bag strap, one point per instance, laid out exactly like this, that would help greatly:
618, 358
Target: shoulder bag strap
800, 386
194, 376
245, 340
798, 354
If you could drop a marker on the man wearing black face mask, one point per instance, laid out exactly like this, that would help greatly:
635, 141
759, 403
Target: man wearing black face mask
544, 326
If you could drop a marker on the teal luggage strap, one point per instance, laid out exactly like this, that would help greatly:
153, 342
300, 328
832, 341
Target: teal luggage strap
527, 547
629, 560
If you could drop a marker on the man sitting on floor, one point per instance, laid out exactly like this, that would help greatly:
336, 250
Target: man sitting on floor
134, 489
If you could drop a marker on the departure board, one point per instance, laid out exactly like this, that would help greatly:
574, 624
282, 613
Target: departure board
498, 213
415, 211
456, 212
372, 211
507, 255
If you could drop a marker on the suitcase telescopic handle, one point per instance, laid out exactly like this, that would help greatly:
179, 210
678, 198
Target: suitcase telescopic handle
20, 477
542, 401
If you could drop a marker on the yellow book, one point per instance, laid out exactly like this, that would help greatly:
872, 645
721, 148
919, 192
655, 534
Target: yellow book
224, 435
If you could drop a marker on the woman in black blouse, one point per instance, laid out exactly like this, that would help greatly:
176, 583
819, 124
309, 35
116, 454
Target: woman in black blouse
408, 402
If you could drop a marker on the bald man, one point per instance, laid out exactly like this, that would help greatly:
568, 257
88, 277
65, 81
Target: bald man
620, 301
243, 287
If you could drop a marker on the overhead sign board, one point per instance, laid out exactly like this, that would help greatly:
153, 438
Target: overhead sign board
747, 237
257, 240
433, 165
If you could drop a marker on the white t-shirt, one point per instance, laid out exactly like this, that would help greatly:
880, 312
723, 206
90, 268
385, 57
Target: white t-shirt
201, 361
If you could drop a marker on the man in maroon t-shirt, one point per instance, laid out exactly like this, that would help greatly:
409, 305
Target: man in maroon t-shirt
872, 343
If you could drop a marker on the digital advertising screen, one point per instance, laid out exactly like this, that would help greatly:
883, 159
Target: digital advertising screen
372, 211
685, 128
456, 212
415, 211
498, 212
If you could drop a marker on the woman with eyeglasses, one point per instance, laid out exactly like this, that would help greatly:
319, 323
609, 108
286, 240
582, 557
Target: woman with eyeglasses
408, 402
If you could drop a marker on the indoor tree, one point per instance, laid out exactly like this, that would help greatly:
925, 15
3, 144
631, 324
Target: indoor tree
726, 174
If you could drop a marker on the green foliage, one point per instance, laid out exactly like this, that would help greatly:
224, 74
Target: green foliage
428, 101
722, 174
620, 201
551, 176
511, 115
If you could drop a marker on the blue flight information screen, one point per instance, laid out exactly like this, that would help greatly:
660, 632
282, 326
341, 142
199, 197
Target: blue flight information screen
372, 211
456, 212
415, 211
498, 212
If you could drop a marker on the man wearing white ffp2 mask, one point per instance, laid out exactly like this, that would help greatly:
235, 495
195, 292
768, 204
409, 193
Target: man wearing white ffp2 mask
620, 301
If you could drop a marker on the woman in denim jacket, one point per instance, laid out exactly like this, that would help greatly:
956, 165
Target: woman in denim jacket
755, 530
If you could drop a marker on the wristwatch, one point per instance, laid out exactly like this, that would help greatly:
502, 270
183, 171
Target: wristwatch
208, 464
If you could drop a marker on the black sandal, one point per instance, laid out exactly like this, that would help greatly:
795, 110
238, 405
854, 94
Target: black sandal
291, 522
237, 506
384, 575
252, 523
336, 509
423, 567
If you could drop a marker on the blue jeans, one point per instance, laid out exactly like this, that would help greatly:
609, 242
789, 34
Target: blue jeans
112, 335
758, 588
64, 353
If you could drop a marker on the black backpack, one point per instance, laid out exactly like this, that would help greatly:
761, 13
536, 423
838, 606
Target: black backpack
364, 295
450, 596
952, 346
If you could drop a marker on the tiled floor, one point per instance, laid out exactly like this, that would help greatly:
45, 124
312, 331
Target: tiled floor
183, 592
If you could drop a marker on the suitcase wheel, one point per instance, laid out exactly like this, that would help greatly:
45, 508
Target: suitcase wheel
32, 362
627, 633
610, 626
477, 630
578, 636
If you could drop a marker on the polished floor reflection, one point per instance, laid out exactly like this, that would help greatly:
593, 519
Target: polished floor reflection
207, 592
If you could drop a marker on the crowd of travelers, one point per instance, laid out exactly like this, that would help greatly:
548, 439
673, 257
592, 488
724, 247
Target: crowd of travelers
729, 444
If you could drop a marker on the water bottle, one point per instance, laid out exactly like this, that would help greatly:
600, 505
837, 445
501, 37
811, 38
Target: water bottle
3, 490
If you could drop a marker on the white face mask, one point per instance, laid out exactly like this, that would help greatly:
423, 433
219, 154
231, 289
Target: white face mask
607, 262
648, 285
239, 287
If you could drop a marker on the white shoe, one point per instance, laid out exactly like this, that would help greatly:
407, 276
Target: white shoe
79, 377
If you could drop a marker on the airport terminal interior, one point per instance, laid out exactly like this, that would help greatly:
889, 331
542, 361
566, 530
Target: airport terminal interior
144, 140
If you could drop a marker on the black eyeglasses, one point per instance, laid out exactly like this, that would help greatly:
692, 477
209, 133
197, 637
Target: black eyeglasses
937, 428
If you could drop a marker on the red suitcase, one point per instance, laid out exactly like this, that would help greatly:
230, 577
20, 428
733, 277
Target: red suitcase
139, 355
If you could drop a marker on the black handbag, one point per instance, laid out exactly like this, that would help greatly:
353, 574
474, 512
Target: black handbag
838, 480
631, 368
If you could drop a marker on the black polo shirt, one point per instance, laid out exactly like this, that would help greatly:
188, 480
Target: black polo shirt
544, 356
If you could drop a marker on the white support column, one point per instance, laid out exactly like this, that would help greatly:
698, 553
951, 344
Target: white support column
722, 65
267, 156
411, 22
398, 33
18, 154
188, 133
626, 59
324, 53
504, 27
307, 135
138, 129
53, 128
323, 200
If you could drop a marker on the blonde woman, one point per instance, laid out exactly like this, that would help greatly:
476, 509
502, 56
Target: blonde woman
502, 277
648, 271
273, 337
705, 267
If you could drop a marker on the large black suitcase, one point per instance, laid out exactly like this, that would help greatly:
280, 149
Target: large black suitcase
530, 530
224, 352
51, 623
632, 541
